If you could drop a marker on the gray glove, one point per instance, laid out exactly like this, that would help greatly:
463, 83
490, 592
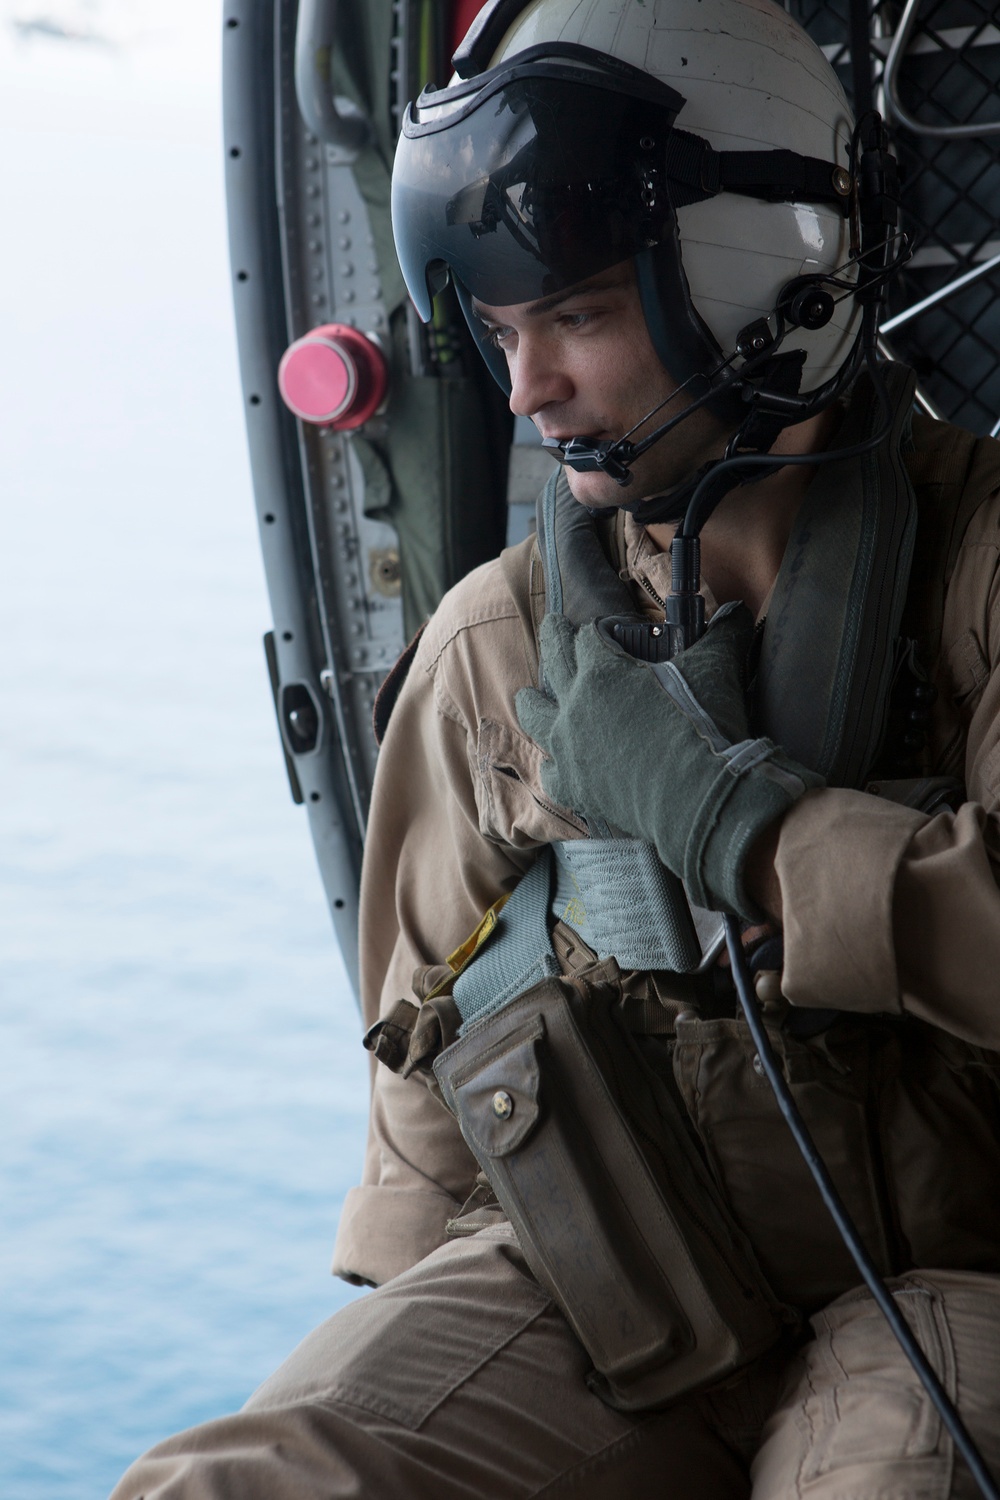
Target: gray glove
663, 752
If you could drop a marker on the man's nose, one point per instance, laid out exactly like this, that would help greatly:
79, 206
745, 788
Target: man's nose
537, 377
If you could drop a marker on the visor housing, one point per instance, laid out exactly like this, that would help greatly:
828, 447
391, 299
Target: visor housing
534, 178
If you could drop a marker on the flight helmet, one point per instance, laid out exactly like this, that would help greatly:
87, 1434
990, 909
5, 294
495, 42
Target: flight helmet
708, 140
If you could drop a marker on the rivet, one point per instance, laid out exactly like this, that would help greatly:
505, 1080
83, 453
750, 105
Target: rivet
347, 269
758, 1066
344, 242
344, 216
841, 181
503, 1105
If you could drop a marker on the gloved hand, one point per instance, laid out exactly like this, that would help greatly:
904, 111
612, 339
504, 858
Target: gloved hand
663, 752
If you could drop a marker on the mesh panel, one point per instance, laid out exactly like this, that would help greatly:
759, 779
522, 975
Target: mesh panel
950, 75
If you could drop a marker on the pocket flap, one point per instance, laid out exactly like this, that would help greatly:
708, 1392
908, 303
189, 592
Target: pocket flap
498, 1104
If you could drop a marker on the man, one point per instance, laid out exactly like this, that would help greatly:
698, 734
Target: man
620, 271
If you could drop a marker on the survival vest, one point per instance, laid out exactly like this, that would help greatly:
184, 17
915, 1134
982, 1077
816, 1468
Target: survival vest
906, 1116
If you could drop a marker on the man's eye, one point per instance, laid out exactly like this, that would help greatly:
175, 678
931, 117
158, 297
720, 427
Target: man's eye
497, 336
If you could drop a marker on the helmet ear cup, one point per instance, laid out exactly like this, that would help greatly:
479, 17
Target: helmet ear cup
806, 303
684, 344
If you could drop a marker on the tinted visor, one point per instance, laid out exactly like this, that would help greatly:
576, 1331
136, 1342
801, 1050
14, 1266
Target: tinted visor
543, 174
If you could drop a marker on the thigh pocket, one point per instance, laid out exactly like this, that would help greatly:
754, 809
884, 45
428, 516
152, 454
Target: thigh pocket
406, 1347
867, 1405
868, 1422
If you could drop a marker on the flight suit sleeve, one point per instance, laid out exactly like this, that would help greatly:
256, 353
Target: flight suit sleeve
429, 874
887, 909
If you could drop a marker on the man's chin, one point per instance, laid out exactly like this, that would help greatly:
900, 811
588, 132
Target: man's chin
597, 491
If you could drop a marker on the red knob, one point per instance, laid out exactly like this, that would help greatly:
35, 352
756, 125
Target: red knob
333, 376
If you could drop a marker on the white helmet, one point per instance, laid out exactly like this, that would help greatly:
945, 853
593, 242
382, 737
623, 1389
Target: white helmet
554, 153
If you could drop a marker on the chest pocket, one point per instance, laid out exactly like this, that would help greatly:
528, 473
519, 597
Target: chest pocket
510, 799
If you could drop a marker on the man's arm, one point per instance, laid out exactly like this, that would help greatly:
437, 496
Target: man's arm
430, 872
887, 909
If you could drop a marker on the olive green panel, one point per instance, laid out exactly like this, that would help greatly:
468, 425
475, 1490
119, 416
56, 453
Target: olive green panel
439, 476
439, 472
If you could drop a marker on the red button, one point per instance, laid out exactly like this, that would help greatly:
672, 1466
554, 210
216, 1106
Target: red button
333, 376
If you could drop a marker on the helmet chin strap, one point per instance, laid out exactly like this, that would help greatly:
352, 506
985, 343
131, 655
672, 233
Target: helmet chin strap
766, 418
773, 405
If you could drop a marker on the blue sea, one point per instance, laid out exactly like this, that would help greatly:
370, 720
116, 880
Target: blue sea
182, 1088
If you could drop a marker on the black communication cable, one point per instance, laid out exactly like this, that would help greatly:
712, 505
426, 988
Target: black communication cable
845, 1225
686, 622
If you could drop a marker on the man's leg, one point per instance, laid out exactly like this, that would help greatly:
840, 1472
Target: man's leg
855, 1421
458, 1379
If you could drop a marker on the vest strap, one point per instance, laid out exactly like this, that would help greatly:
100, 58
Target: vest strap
618, 896
829, 645
519, 953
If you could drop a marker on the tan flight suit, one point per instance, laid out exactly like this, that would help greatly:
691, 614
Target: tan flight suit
459, 1377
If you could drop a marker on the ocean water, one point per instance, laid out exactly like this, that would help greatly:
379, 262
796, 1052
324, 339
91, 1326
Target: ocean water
182, 1088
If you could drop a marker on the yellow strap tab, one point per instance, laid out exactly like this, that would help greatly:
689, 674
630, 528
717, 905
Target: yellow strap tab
466, 952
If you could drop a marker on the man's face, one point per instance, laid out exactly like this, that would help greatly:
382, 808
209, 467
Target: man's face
582, 364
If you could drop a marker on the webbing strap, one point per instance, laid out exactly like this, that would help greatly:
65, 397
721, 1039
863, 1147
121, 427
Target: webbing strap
828, 647
545, 530
518, 955
624, 904
780, 176
578, 580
